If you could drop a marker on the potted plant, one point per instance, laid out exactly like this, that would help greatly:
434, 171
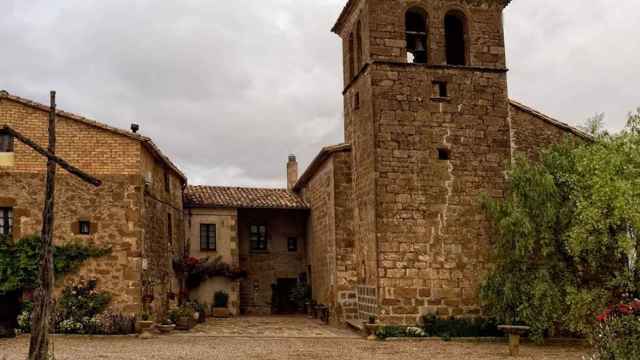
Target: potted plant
144, 323
166, 326
183, 317
220, 302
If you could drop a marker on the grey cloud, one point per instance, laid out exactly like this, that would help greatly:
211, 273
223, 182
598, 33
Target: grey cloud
229, 88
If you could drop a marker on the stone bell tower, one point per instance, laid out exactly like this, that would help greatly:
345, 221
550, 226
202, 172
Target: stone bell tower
426, 113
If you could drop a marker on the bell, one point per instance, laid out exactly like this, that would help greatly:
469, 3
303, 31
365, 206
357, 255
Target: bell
419, 52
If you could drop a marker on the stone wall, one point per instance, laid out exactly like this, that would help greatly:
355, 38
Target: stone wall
346, 265
114, 211
226, 221
321, 229
431, 232
264, 268
386, 37
163, 233
532, 132
330, 228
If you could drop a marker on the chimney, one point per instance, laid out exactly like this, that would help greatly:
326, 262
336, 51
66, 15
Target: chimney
135, 128
292, 172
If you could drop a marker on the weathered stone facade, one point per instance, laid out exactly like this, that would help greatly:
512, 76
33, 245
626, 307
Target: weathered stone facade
226, 248
427, 140
266, 267
128, 213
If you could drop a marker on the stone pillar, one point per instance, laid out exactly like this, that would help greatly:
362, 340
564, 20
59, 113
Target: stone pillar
292, 172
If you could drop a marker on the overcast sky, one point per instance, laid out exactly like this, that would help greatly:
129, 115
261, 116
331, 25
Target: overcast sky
228, 88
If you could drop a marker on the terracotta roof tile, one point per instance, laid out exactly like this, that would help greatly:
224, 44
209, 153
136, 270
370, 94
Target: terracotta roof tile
237, 197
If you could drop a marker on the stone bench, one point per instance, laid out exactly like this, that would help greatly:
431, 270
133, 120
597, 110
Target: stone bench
514, 332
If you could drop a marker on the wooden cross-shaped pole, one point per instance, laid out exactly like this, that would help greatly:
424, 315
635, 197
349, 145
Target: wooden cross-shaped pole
39, 344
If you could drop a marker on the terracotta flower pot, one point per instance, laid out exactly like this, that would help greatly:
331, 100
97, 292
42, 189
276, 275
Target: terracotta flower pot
165, 329
221, 312
143, 325
185, 323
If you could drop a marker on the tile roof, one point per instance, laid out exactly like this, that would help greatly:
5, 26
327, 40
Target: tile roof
243, 198
153, 148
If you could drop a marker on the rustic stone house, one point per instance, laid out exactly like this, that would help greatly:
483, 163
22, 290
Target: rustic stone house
138, 210
259, 231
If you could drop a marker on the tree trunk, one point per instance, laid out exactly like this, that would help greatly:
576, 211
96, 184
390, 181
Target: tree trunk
39, 345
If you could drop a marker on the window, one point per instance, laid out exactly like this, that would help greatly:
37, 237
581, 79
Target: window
440, 89
360, 60
169, 228
207, 237
292, 244
416, 35
444, 154
356, 101
167, 182
6, 143
455, 38
352, 72
6, 221
84, 227
258, 237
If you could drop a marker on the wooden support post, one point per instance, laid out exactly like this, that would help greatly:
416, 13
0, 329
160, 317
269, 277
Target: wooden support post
39, 345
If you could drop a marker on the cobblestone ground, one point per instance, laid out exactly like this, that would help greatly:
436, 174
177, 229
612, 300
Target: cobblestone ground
276, 338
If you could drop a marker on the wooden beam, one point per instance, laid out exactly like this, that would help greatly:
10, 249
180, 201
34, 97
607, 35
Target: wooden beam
42, 151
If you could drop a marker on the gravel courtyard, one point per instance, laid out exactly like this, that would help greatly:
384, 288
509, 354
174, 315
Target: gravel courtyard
274, 338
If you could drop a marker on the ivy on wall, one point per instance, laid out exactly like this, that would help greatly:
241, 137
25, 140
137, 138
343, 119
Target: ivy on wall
19, 261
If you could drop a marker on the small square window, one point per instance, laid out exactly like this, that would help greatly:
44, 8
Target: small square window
170, 228
6, 143
207, 237
258, 237
6, 221
440, 90
167, 182
292, 244
85, 227
444, 154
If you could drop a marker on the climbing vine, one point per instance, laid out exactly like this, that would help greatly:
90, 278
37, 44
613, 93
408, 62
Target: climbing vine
19, 261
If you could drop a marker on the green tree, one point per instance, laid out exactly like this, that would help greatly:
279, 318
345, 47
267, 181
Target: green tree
566, 235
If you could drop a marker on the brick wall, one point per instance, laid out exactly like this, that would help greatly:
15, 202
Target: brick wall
89, 148
124, 213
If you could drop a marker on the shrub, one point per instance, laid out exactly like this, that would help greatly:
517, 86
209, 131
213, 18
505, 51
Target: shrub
220, 299
460, 327
386, 332
617, 334
566, 235
300, 295
180, 312
82, 301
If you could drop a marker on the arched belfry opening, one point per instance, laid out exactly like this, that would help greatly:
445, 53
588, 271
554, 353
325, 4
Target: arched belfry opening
416, 35
455, 27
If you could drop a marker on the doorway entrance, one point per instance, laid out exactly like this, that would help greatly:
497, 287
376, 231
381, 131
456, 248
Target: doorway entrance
282, 296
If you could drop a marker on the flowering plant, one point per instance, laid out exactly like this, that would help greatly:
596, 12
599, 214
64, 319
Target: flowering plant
617, 333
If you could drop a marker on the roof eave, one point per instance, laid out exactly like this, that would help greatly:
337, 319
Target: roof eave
317, 162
